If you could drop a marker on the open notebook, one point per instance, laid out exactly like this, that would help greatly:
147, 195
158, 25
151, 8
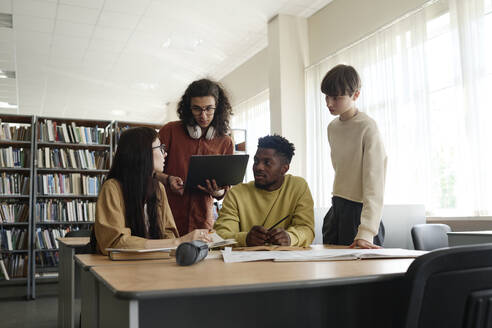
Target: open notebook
231, 256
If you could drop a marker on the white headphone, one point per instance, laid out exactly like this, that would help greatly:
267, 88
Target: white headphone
195, 132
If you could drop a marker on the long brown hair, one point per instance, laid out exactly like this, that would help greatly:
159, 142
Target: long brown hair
133, 168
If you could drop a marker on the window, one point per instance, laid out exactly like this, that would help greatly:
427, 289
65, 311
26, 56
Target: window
426, 81
253, 115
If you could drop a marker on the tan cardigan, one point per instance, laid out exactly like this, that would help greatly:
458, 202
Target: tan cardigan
110, 227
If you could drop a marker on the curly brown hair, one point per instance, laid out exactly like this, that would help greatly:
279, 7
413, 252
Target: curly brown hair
203, 88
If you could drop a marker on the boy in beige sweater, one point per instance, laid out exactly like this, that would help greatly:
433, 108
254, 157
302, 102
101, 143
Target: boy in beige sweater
359, 161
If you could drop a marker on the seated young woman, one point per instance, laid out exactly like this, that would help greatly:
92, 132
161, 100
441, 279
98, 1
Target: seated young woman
132, 210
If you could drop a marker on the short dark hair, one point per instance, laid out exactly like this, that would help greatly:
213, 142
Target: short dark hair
204, 88
341, 80
281, 145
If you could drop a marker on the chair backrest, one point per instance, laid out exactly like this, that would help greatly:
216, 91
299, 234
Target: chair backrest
451, 287
428, 237
78, 233
398, 220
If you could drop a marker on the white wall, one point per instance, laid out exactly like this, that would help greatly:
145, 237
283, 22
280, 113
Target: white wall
342, 22
339, 24
249, 79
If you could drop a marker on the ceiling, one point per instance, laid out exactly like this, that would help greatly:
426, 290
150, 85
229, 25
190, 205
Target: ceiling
125, 59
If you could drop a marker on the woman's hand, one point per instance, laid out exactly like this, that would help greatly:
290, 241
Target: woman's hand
198, 234
176, 184
212, 188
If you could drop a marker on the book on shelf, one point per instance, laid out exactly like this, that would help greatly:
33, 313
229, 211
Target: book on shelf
14, 239
52, 131
14, 157
72, 158
3, 270
68, 184
16, 265
14, 131
14, 212
14, 184
65, 210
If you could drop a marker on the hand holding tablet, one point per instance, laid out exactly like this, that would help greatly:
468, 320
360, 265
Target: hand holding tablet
219, 170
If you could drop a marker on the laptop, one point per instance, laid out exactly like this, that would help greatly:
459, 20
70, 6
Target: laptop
225, 169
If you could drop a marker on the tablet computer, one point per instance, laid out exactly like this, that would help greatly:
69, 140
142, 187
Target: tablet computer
225, 169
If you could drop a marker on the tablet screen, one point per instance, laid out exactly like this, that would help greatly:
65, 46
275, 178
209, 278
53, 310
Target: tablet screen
225, 169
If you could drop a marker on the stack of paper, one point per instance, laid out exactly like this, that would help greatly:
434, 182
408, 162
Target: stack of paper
318, 255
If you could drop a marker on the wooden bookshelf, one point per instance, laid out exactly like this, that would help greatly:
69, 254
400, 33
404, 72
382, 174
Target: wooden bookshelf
54, 147
16, 140
68, 153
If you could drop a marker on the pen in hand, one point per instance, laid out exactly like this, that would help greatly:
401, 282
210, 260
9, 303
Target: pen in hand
276, 224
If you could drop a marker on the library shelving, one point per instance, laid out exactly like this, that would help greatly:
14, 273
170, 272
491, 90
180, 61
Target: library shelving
51, 170
120, 126
71, 160
16, 140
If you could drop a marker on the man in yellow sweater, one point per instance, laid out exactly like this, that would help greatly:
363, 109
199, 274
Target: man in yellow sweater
251, 209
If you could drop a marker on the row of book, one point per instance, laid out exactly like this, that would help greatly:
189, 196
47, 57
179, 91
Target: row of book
46, 260
51, 131
14, 157
14, 212
72, 159
64, 211
14, 239
68, 184
14, 184
14, 132
14, 266
47, 238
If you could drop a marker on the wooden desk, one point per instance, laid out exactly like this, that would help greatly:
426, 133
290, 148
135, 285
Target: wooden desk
213, 293
458, 238
67, 288
90, 287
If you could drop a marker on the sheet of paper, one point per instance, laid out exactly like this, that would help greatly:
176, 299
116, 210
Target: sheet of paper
318, 255
218, 241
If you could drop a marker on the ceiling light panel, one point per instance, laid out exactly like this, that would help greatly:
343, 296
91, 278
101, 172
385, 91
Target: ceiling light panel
34, 8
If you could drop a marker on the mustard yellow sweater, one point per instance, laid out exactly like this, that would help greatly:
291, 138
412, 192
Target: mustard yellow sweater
359, 160
110, 227
246, 206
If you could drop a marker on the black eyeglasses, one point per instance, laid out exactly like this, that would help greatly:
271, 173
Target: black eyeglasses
162, 148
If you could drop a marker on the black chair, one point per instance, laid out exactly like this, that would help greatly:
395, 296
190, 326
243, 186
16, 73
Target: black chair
451, 287
78, 233
90, 247
428, 237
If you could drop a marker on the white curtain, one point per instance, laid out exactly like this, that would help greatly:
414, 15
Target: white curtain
253, 115
426, 80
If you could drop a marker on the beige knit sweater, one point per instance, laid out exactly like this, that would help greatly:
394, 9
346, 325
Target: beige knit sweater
359, 160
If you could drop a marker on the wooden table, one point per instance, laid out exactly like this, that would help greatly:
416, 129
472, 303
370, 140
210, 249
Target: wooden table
67, 288
215, 294
458, 238
90, 287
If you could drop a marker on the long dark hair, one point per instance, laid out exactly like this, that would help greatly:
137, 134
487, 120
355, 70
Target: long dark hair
133, 168
203, 88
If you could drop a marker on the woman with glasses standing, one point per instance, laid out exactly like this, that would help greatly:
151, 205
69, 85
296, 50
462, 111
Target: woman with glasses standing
132, 210
204, 112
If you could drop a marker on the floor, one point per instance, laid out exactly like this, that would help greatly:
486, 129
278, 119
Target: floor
17, 312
